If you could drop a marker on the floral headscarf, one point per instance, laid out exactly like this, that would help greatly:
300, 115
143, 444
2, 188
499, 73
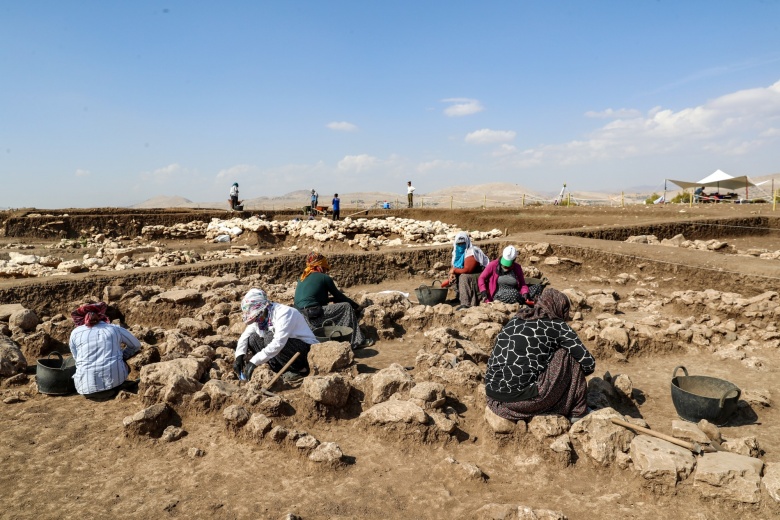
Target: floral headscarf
552, 304
90, 314
253, 305
315, 263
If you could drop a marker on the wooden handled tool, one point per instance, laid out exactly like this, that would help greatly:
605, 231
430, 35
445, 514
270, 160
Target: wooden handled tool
695, 447
265, 389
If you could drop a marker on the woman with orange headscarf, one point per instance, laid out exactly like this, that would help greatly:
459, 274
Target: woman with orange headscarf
314, 294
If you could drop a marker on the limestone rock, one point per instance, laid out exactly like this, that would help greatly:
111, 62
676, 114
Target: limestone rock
729, 477
307, 442
25, 319
172, 433
499, 424
710, 430
771, 480
194, 328
388, 381
516, 512
615, 337
428, 394
327, 453
169, 381
624, 387
394, 412
12, 361
258, 425
660, 460
8, 309
278, 433
149, 421
235, 417
220, 392
195, 453
544, 426
179, 295
597, 437
330, 390
688, 432
330, 356
272, 406
747, 446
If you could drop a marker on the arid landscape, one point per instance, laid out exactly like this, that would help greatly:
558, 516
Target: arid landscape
397, 430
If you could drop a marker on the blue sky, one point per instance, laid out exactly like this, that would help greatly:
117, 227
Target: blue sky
111, 103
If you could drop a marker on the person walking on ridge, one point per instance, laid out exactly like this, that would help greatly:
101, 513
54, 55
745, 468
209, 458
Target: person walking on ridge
336, 206
410, 193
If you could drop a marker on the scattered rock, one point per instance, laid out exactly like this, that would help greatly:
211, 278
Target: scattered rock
545, 426
660, 460
710, 430
330, 390
516, 512
330, 356
597, 437
499, 424
388, 381
258, 425
395, 412
327, 452
149, 421
195, 453
688, 432
25, 319
771, 480
747, 446
729, 477
12, 361
235, 417
172, 433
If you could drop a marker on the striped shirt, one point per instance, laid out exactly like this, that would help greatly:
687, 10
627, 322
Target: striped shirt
100, 359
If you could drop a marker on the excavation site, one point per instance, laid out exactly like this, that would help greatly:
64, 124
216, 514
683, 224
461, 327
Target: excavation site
663, 297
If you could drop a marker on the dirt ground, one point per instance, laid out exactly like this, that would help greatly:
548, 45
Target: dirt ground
66, 457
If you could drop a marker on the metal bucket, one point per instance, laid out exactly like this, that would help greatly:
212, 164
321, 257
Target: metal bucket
431, 295
702, 397
55, 376
333, 332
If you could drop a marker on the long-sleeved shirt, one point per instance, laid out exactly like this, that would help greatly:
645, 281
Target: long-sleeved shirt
488, 280
315, 290
234, 191
283, 323
100, 359
409, 190
523, 350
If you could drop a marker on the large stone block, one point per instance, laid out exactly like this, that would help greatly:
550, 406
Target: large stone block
729, 476
597, 437
395, 412
661, 461
330, 356
388, 381
169, 381
331, 390
149, 421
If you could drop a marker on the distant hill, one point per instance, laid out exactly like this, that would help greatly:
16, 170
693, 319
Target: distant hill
163, 201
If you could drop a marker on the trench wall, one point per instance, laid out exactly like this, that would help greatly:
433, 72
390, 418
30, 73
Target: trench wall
692, 230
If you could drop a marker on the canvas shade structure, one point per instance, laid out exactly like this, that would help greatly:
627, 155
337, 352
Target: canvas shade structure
718, 179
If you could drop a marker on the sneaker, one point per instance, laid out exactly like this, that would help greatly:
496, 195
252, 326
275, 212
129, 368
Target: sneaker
367, 342
292, 377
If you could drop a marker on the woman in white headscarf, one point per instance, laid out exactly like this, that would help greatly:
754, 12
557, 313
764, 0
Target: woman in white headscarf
274, 333
468, 261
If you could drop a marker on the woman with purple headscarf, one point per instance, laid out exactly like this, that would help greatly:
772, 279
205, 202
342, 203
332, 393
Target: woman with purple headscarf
538, 364
96, 345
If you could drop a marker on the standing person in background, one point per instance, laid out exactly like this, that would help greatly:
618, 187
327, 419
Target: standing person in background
234, 196
410, 193
336, 206
314, 198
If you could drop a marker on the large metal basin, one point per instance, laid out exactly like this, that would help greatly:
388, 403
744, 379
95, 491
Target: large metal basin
703, 397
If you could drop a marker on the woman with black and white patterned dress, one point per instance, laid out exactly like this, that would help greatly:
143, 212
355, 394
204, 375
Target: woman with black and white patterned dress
538, 364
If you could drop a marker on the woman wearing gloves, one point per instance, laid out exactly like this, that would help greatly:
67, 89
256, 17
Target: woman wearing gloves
503, 280
467, 262
314, 292
274, 333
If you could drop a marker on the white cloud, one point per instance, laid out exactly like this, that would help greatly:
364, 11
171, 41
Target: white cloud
357, 163
166, 171
487, 136
462, 107
442, 164
613, 114
342, 126
504, 149
82, 173
234, 171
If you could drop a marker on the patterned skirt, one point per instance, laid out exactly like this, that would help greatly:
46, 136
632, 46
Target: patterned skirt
467, 289
341, 314
562, 391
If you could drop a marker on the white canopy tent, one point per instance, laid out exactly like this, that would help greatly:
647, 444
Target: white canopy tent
718, 179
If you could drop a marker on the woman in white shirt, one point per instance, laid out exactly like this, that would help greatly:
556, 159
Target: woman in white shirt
274, 333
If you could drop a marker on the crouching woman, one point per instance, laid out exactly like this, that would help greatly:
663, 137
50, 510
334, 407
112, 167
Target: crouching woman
96, 345
538, 364
274, 333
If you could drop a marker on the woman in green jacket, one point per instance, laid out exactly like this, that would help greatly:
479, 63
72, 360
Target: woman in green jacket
319, 300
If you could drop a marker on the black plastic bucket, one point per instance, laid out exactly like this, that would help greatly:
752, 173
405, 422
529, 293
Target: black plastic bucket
431, 295
55, 376
333, 332
702, 397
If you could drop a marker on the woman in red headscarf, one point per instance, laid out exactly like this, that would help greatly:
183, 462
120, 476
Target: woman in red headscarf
96, 345
314, 292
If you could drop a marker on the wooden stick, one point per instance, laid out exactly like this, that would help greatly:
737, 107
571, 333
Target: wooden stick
282, 371
693, 446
